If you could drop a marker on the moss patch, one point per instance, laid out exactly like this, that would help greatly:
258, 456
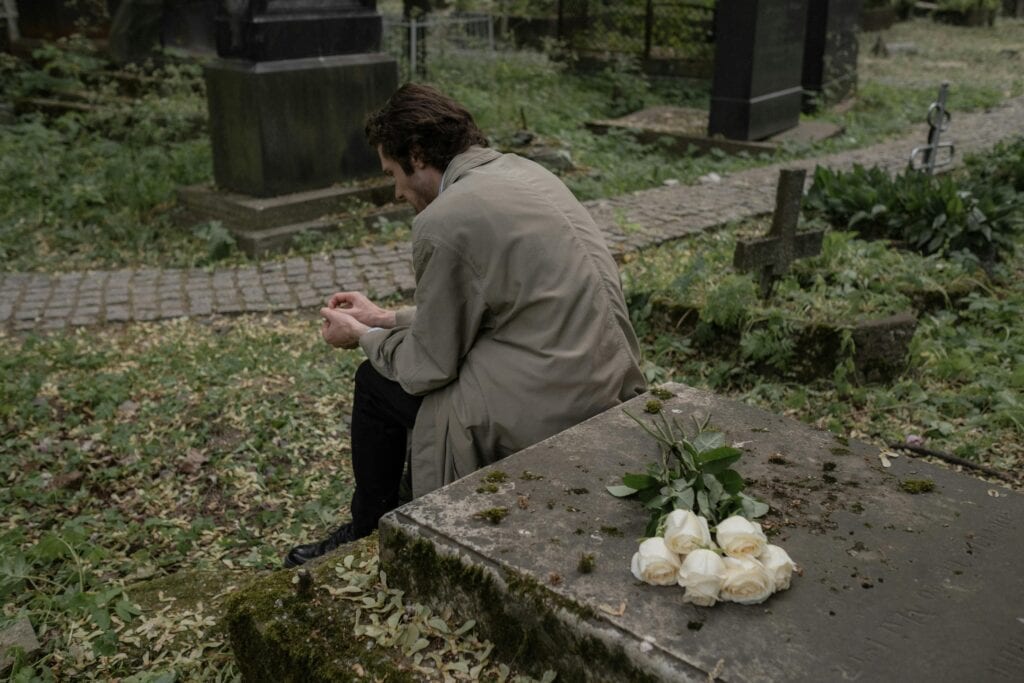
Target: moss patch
492, 515
662, 393
521, 617
917, 485
344, 623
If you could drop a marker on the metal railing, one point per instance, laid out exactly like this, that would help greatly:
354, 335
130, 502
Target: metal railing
644, 28
418, 40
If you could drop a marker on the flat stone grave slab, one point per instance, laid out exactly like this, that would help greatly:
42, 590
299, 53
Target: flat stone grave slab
688, 127
894, 585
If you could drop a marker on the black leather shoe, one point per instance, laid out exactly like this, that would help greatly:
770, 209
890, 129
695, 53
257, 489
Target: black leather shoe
301, 554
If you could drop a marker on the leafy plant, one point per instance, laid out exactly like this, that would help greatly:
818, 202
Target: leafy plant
1002, 165
694, 474
933, 214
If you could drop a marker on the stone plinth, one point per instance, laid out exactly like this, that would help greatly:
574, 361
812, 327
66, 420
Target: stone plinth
267, 224
294, 125
759, 45
895, 586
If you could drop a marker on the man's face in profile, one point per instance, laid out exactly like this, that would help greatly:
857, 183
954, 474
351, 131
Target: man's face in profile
419, 188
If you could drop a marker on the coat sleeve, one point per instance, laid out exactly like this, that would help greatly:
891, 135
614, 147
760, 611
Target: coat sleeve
426, 354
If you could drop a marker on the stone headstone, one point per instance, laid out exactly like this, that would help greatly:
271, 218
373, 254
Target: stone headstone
894, 585
830, 51
771, 256
289, 97
759, 50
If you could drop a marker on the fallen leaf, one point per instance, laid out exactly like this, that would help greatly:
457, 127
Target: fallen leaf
67, 480
193, 461
615, 612
885, 456
128, 409
717, 671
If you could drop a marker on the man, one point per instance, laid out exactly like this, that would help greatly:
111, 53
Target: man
520, 329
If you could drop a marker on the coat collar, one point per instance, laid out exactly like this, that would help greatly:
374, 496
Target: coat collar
465, 162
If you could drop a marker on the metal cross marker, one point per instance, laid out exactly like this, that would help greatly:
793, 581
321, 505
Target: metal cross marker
771, 256
938, 122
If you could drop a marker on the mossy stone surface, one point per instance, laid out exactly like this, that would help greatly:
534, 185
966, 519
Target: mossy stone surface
277, 635
933, 560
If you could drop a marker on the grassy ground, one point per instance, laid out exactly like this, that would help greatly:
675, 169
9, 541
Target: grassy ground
960, 392
136, 452
95, 188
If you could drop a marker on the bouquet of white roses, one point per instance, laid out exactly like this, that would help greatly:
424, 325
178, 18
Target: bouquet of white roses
741, 567
695, 483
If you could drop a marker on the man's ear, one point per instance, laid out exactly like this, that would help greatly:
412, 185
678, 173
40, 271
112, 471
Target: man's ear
416, 157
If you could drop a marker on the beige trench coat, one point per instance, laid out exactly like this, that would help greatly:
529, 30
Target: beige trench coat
520, 328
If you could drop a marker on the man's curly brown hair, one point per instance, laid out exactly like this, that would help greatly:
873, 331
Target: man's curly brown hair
421, 121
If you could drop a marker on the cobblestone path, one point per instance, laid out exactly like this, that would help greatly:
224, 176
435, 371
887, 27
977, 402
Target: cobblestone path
44, 301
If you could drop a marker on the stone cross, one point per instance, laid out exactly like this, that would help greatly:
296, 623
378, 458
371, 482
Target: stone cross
771, 256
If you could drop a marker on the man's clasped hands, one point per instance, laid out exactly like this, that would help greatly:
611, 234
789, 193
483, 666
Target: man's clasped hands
348, 316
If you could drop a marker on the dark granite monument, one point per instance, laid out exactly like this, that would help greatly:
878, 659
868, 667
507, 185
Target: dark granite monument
830, 51
289, 95
759, 50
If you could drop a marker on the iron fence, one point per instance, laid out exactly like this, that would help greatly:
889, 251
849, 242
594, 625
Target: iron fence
418, 41
666, 29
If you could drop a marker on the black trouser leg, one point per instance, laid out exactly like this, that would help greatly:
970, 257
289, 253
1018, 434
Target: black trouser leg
381, 415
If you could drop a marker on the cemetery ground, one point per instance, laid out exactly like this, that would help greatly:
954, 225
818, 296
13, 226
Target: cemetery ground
88, 179
153, 468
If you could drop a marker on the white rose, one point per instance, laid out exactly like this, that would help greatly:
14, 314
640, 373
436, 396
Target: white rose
779, 565
739, 537
746, 581
654, 563
686, 531
701, 575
